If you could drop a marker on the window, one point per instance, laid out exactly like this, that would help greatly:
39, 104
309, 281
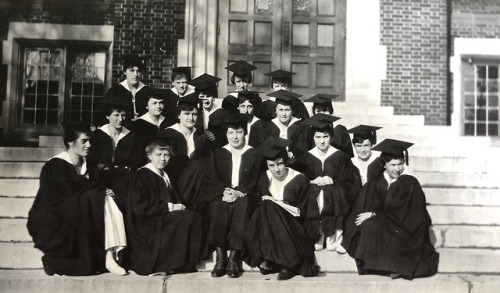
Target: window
480, 97
62, 83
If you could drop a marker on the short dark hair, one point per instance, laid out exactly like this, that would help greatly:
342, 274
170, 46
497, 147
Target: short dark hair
328, 129
109, 108
358, 139
178, 75
284, 80
73, 131
387, 157
246, 77
236, 126
186, 107
283, 154
325, 107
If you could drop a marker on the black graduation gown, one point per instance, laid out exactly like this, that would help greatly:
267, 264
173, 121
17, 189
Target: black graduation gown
374, 170
159, 240
141, 100
254, 133
346, 184
215, 125
227, 221
396, 240
297, 133
126, 156
187, 171
66, 220
146, 131
275, 235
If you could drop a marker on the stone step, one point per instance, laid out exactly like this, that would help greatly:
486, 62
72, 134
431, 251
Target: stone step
464, 215
45, 141
454, 236
453, 164
455, 179
20, 169
462, 196
15, 207
342, 109
452, 260
37, 281
18, 187
25, 154
381, 120
14, 230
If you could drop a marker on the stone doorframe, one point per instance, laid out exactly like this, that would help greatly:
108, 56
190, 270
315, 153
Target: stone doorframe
364, 71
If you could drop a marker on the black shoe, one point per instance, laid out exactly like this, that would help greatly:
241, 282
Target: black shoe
219, 269
232, 270
285, 274
269, 270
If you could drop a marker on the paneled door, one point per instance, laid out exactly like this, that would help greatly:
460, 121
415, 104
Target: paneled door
304, 36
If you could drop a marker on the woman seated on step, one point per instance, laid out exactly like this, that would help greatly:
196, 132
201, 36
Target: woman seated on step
281, 232
163, 237
74, 220
387, 232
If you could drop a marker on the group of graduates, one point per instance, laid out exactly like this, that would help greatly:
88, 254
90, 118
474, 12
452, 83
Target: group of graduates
171, 177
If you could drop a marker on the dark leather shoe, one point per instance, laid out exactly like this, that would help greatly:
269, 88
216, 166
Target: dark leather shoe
219, 269
232, 270
267, 271
285, 274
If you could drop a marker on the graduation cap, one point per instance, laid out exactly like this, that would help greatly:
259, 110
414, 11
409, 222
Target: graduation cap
393, 147
365, 132
320, 121
281, 75
189, 101
181, 70
206, 84
130, 61
155, 94
284, 97
241, 68
237, 120
321, 99
272, 147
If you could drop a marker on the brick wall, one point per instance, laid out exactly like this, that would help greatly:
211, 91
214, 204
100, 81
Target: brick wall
149, 28
415, 34
475, 19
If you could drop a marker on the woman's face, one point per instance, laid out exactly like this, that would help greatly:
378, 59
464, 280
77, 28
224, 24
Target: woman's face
246, 107
395, 168
159, 158
188, 118
81, 145
322, 140
133, 75
284, 113
180, 85
277, 168
236, 137
116, 119
207, 101
240, 83
155, 107
364, 149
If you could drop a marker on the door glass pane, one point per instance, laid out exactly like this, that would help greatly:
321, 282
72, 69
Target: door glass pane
41, 85
300, 34
326, 7
263, 6
302, 7
259, 79
87, 82
238, 6
237, 32
262, 33
325, 35
301, 79
324, 75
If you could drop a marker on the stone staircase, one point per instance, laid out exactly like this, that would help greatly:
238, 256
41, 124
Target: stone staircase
460, 177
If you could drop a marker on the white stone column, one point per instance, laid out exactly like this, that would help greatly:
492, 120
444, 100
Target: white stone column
365, 57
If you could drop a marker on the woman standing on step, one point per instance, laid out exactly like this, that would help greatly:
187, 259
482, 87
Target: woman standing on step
282, 230
387, 231
74, 221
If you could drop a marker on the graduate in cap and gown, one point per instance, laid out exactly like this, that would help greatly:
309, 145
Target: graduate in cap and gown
212, 117
190, 149
229, 188
132, 90
74, 220
163, 236
366, 160
115, 150
334, 181
148, 126
282, 230
249, 103
387, 231
322, 103
241, 77
282, 80
285, 125
181, 76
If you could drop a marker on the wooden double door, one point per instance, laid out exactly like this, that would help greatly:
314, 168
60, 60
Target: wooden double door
303, 36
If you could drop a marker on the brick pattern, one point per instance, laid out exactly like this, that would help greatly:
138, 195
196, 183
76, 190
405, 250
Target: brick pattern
475, 19
415, 34
149, 28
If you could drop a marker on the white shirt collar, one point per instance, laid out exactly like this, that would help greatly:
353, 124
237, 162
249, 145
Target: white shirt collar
64, 155
316, 152
231, 149
153, 169
280, 125
190, 90
125, 85
273, 188
146, 117
123, 133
